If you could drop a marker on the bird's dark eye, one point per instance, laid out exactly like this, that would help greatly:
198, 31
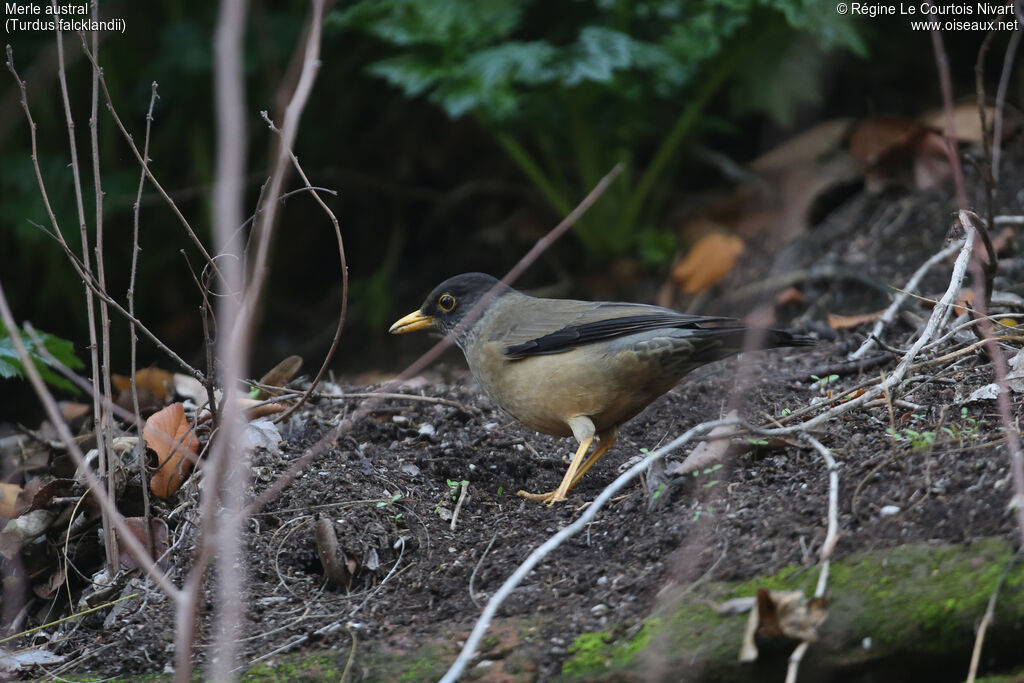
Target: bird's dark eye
446, 302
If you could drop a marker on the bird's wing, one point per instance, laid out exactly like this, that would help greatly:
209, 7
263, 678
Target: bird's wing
555, 326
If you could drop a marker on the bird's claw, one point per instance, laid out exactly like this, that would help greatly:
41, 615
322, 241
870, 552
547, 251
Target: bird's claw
549, 498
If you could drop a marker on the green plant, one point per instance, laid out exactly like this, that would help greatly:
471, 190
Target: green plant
823, 382
394, 499
453, 493
969, 427
918, 440
61, 349
706, 471
600, 83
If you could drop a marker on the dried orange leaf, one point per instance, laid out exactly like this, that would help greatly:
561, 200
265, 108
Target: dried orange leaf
170, 436
966, 121
8, 497
154, 380
708, 261
71, 410
251, 409
803, 150
845, 322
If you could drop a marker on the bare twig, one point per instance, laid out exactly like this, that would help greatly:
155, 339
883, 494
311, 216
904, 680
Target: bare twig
143, 161
476, 569
98, 415
901, 297
990, 611
133, 333
464, 486
831, 536
344, 278
105, 436
223, 498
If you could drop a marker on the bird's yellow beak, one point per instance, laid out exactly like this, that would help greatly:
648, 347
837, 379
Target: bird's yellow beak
412, 322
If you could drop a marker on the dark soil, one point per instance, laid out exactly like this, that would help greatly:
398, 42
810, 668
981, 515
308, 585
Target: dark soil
388, 486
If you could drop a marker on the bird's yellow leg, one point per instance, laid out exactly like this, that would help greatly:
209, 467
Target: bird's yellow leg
607, 441
568, 480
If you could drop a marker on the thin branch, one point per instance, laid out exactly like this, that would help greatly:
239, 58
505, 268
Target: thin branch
1000, 106
223, 498
469, 649
990, 611
890, 313
143, 161
104, 436
831, 537
133, 332
104, 296
289, 130
344, 277
102, 443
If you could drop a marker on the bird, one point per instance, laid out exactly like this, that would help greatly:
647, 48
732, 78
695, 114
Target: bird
576, 368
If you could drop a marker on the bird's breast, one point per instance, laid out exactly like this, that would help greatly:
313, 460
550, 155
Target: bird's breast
543, 392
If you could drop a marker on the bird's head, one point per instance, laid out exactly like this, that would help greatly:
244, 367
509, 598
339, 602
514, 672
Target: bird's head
446, 307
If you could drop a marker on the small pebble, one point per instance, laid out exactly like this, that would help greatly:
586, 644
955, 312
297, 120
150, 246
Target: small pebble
427, 430
889, 510
400, 420
599, 610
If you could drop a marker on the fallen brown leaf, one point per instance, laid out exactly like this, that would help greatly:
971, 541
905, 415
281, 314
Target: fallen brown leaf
170, 436
966, 121
707, 262
38, 494
845, 322
280, 375
154, 380
782, 614
8, 497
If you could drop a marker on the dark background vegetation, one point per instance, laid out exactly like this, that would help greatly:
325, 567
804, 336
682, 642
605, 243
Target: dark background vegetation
418, 146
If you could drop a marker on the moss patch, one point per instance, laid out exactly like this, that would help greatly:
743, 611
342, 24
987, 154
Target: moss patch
915, 602
598, 651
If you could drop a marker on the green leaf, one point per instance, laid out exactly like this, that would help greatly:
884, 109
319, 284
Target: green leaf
413, 74
62, 350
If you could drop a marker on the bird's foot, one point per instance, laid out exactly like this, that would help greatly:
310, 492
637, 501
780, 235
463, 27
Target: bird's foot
549, 498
